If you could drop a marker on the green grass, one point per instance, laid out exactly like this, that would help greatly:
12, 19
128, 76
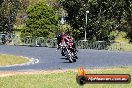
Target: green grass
121, 42
60, 80
11, 60
121, 46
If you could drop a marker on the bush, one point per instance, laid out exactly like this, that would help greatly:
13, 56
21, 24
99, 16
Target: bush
41, 21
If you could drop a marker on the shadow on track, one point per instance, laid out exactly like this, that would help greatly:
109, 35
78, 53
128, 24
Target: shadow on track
66, 62
63, 58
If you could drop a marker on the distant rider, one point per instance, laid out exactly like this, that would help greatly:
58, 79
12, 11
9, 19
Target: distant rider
61, 39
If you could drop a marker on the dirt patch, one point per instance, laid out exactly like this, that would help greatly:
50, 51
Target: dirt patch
11, 73
29, 72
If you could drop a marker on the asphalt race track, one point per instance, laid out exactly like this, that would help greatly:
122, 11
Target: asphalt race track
50, 59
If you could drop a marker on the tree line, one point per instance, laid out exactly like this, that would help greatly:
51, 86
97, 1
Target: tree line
104, 17
42, 17
8, 12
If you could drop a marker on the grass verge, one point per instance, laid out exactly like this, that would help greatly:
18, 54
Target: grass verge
121, 46
66, 79
11, 60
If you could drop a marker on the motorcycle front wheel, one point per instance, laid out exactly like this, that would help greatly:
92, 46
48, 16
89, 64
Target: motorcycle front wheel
70, 59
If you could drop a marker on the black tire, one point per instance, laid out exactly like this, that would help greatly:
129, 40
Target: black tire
71, 60
66, 58
62, 54
76, 57
74, 60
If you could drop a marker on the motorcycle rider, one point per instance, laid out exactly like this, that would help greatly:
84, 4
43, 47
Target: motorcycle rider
60, 39
63, 38
71, 40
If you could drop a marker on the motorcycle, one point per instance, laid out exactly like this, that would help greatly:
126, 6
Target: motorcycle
63, 49
69, 52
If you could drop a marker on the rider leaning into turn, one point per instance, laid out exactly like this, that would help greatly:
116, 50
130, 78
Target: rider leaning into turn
64, 38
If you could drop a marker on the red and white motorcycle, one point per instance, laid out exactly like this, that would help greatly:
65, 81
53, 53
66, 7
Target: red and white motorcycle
68, 51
